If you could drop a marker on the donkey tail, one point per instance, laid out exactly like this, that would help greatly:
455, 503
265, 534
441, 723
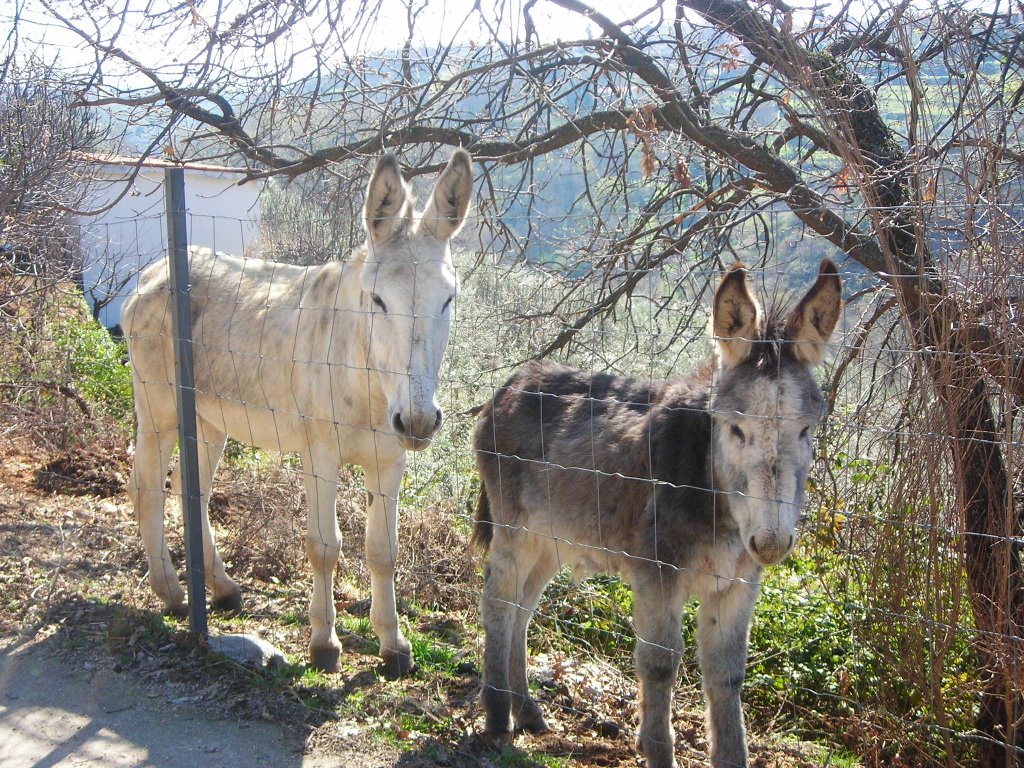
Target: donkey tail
483, 529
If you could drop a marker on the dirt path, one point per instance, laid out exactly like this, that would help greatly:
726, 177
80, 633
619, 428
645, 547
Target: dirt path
56, 712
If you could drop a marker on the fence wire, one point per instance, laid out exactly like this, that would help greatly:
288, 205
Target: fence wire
864, 628
892, 626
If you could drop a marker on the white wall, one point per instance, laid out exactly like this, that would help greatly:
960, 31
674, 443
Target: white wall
118, 243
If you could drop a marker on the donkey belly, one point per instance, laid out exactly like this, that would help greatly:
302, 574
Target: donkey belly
286, 430
587, 540
260, 426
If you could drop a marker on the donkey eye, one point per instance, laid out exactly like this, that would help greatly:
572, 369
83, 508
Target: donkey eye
737, 432
380, 303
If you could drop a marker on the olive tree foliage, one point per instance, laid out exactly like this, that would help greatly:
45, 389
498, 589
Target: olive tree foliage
630, 148
42, 176
43, 180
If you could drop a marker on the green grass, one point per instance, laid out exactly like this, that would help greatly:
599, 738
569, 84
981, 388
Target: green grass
434, 656
510, 757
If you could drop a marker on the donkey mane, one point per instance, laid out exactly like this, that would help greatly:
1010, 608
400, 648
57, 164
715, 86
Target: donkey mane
772, 348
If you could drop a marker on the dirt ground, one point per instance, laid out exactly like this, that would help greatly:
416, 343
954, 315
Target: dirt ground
91, 672
57, 710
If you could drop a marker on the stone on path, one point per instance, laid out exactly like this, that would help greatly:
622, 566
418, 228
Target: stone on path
250, 650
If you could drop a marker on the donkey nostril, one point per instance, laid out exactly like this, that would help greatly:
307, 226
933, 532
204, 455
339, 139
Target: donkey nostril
396, 422
753, 544
438, 418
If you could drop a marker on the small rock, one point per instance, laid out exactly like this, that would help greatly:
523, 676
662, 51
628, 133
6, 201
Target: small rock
250, 650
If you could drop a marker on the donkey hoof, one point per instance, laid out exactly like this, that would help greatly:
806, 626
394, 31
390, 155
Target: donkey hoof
530, 717
496, 740
535, 727
325, 659
397, 664
179, 611
659, 753
229, 603
532, 721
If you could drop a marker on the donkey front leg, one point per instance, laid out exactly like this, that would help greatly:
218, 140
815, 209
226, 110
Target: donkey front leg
323, 547
723, 627
383, 482
659, 646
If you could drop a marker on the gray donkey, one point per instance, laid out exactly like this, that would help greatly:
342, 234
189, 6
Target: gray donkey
687, 487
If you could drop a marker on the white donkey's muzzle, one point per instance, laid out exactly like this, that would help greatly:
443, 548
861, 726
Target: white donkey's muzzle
414, 428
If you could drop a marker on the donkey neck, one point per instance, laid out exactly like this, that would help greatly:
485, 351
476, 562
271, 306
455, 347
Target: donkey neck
350, 339
683, 428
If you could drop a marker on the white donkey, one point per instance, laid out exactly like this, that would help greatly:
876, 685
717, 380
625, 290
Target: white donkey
338, 363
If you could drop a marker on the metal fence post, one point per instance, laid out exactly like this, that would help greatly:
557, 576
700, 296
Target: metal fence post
188, 445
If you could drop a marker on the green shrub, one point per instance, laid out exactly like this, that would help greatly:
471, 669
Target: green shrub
94, 363
594, 614
804, 647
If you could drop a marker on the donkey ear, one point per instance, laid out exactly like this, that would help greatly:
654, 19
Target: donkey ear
811, 324
449, 202
388, 208
735, 317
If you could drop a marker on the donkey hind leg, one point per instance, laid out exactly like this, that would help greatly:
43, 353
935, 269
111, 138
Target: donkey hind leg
383, 481
224, 592
323, 547
723, 626
153, 450
505, 610
525, 710
657, 612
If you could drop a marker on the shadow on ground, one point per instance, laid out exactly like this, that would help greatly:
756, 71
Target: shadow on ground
66, 701
57, 712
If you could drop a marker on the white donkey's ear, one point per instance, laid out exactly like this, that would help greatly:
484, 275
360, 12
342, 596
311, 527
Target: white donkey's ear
450, 199
810, 325
735, 317
388, 208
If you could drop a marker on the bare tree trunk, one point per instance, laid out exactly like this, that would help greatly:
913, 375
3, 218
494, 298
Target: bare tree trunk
993, 567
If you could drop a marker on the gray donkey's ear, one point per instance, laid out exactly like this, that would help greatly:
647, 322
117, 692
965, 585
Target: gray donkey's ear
389, 204
449, 202
810, 325
735, 317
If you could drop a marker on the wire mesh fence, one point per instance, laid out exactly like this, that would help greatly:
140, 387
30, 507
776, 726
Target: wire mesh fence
863, 631
617, 177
